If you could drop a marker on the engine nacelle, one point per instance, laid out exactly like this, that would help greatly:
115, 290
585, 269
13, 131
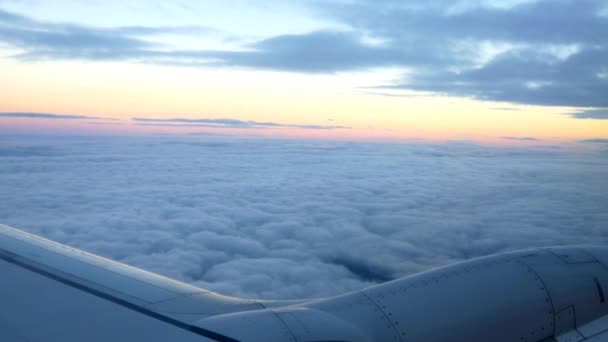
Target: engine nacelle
533, 295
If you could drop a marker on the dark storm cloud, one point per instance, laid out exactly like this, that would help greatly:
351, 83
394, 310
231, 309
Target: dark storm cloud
542, 52
289, 219
51, 116
226, 123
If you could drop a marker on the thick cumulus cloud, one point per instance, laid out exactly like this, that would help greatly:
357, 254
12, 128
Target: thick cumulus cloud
289, 219
540, 52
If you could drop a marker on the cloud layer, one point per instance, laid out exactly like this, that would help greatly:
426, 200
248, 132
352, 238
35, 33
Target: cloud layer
289, 219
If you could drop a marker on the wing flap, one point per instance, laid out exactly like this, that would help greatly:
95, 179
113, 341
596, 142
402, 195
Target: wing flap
596, 330
601, 337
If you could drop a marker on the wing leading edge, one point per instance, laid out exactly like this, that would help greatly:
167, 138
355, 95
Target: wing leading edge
53, 292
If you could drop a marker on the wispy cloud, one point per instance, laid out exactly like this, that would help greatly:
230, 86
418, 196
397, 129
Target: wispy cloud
595, 141
598, 114
522, 138
98, 123
52, 116
227, 123
505, 108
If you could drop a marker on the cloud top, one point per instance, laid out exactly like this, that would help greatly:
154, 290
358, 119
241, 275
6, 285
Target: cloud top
289, 219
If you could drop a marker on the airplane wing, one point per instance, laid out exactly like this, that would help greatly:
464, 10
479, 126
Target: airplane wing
52, 292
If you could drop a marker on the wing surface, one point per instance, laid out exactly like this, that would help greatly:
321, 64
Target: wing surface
51, 292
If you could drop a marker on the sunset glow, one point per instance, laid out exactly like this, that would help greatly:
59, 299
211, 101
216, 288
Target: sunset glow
360, 102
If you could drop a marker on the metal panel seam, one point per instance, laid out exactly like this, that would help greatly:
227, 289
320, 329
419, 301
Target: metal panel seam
570, 262
525, 264
295, 339
388, 318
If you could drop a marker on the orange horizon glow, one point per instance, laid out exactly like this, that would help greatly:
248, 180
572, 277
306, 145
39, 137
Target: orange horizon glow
124, 91
127, 128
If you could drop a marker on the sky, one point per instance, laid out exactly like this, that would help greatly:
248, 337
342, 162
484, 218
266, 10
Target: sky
299, 218
531, 72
